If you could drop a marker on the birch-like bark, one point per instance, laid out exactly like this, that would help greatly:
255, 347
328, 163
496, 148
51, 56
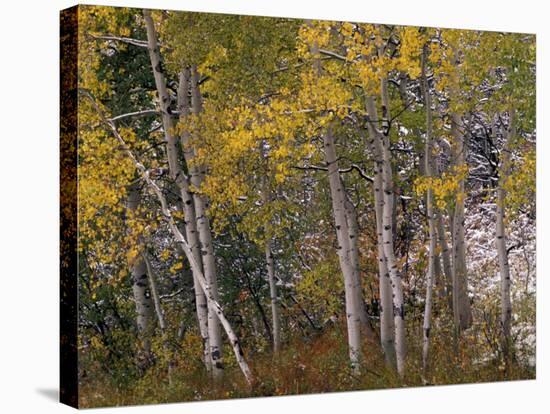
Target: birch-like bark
505, 282
160, 315
382, 144
205, 236
353, 235
387, 328
140, 287
190, 218
461, 303
177, 172
338, 200
439, 281
213, 303
430, 216
446, 257
442, 278
387, 333
270, 267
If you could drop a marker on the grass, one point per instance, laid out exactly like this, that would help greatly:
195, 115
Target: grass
314, 365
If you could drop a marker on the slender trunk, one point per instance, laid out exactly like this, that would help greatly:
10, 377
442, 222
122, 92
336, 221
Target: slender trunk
387, 334
430, 217
213, 303
443, 280
439, 282
382, 144
270, 264
268, 335
140, 288
353, 234
338, 199
205, 237
177, 172
505, 282
160, 315
446, 256
461, 302
429, 286
276, 319
190, 218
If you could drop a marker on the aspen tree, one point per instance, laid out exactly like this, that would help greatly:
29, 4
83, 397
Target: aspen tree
160, 314
504, 266
430, 215
177, 172
213, 304
140, 284
382, 149
344, 248
205, 235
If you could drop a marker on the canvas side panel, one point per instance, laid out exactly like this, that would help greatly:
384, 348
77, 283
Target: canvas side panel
68, 206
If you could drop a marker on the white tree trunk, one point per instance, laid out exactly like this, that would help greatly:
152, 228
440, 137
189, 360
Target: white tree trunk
338, 199
213, 303
190, 218
205, 237
387, 333
177, 172
160, 315
382, 144
446, 256
140, 287
430, 216
505, 282
461, 303
270, 267
387, 329
353, 235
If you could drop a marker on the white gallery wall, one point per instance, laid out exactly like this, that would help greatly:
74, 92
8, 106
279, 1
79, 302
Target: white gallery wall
29, 74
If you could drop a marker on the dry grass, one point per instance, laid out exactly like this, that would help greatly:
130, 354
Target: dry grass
314, 365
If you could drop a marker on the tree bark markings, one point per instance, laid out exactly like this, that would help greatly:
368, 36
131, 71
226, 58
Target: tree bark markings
344, 250
177, 173
213, 303
140, 286
381, 141
504, 266
461, 303
205, 236
387, 329
430, 217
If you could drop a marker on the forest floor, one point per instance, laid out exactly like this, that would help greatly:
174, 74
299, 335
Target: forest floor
317, 364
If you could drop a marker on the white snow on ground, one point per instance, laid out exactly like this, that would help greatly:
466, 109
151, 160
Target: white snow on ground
482, 254
484, 277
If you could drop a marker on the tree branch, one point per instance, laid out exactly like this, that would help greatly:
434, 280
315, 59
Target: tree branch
127, 40
361, 172
136, 114
213, 304
332, 54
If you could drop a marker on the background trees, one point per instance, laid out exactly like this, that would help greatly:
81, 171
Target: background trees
307, 191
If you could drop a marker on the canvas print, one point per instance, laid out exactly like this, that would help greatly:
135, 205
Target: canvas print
256, 206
